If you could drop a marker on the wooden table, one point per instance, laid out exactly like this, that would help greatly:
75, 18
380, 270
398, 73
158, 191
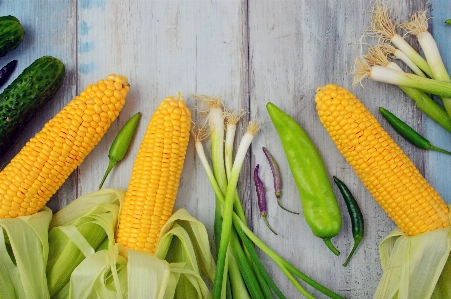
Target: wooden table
248, 52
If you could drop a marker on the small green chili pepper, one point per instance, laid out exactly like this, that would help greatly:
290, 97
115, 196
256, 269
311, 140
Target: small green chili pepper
354, 213
318, 200
121, 143
408, 133
448, 21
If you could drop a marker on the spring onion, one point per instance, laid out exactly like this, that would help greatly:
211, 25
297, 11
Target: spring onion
378, 55
389, 50
418, 26
400, 78
383, 28
215, 124
231, 120
228, 205
236, 250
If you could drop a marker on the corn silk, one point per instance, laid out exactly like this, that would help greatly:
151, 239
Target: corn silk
415, 267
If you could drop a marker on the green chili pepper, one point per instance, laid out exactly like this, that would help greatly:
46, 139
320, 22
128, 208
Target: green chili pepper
354, 213
121, 143
448, 21
319, 204
408, 133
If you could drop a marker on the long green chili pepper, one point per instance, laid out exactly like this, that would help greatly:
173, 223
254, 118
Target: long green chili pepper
408, 133
319, 204
354, 213
121, 143
448, 21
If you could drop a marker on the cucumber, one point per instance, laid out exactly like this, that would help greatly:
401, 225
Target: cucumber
11, 34
23, 98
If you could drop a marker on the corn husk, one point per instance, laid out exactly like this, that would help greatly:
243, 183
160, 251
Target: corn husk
412, 265
191, 234
101, 275
184, 244
79, 230
179, 268
23, 256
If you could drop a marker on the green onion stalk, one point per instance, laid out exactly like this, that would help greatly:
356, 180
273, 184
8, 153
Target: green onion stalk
228, 206
389, 50
264, 280
231, 121
383, 28
378, 56
215, 122
418, 26
237, 240
235, 256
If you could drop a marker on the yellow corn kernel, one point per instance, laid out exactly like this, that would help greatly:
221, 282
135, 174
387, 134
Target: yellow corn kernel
153, 186
48, 158
386, 171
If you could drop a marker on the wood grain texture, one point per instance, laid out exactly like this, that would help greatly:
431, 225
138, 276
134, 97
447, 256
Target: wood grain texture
296, 46
49, 30
249, 52
437, 166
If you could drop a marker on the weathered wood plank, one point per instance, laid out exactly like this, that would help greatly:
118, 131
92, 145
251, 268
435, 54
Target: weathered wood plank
196, 47
248, 52
438, 165
50, 29
296, 46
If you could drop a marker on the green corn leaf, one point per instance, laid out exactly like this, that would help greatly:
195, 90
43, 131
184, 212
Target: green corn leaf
412, 265
101, 275
77, 232
443, 288
23, 256
198, 235
177, 270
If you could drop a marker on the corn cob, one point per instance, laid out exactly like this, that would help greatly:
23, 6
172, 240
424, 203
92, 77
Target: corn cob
155, 176
386, 171
47, 159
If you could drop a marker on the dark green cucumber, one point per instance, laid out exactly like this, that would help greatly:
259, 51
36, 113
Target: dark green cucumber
23, 98
11, 34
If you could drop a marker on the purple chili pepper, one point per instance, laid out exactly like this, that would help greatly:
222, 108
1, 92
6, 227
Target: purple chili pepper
277, 178
261, 196
7, 71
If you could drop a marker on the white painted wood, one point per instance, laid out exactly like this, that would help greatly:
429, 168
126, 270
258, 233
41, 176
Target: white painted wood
248, 52
296, 46
437, 165
49, 30
195, 47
